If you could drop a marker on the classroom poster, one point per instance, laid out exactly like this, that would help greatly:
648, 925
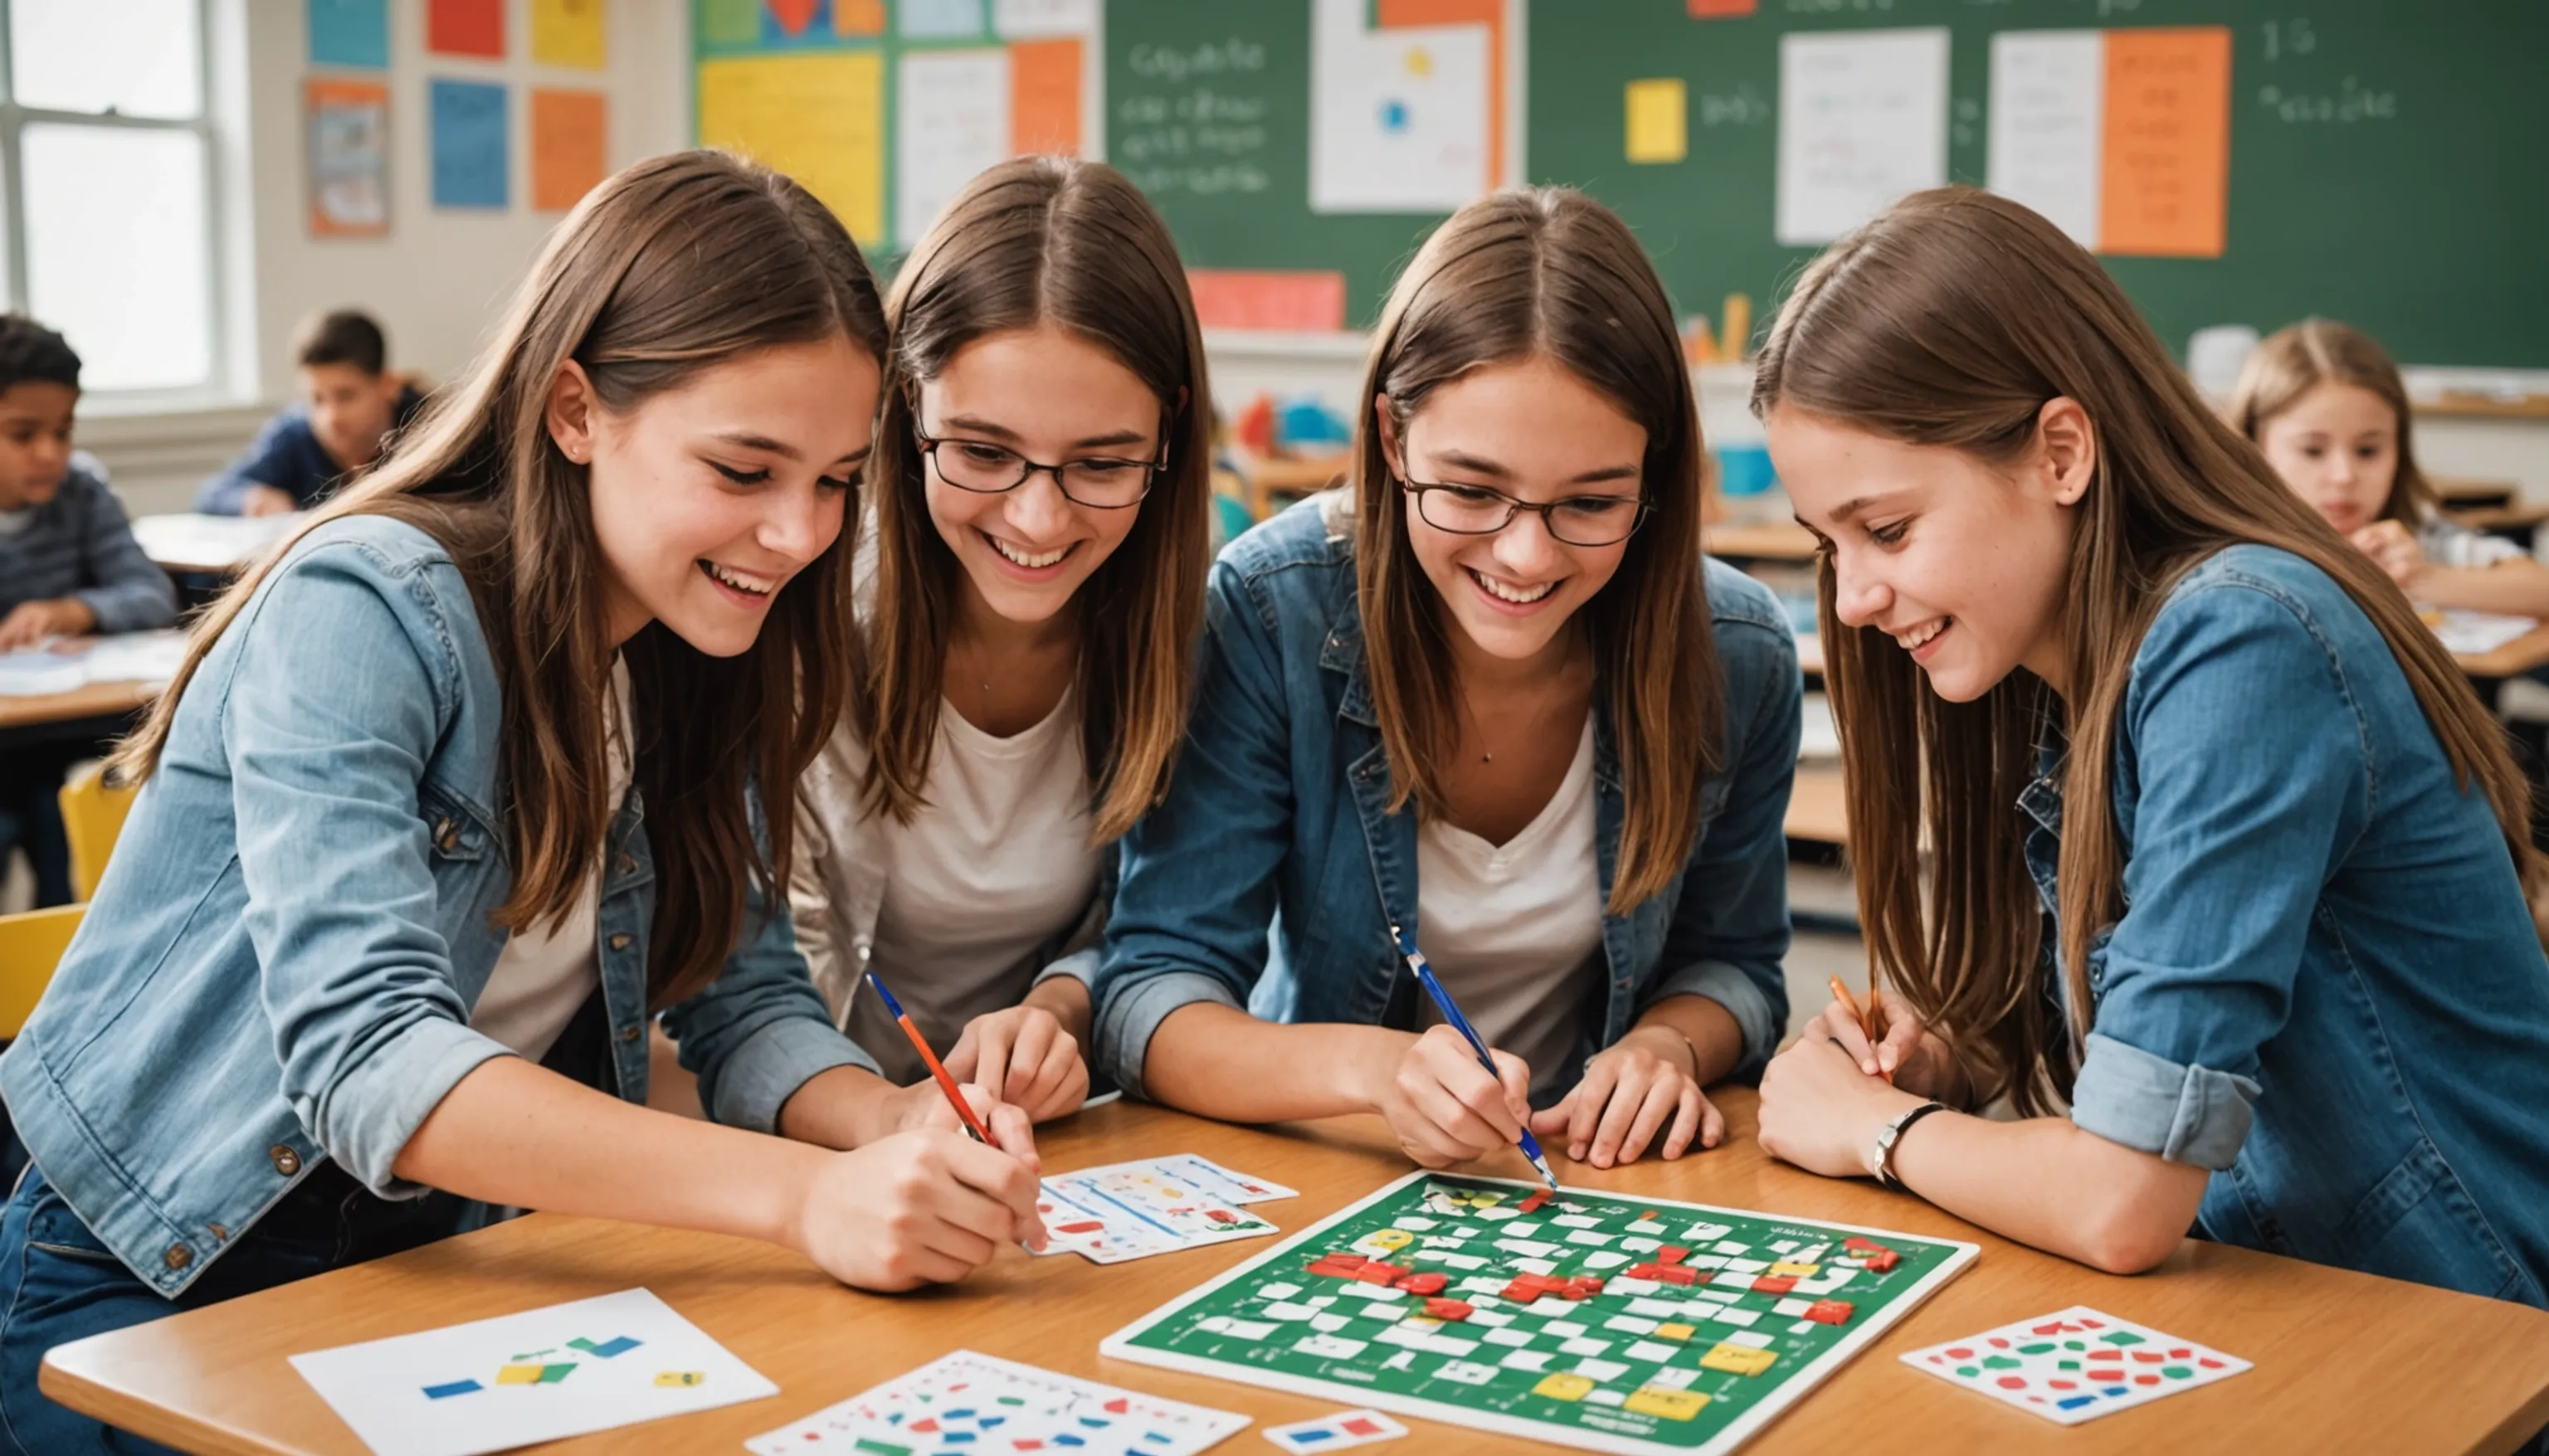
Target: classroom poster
465, 27
1305, 301
819, 117
1862, 121
2122, 137
730, 22
1399, 14
350, 33
1398, 117
571, 33
1028, 20
471, 168
951, 121
1044, 95
941, 20
570, 146
1657, 125
348, 125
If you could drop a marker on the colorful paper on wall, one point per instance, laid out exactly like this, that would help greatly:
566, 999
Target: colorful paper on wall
951, 121
730, 22
2165, 187
465, 27
349, 124
1398, 117
1027, 20
570, 146
470, 164
350, 33
1659, 128
858, 18
1394, 15
570, 33
1304, 301
939, 20
1044, 96
1722, 9
2047, 129
1862, 121
819, 118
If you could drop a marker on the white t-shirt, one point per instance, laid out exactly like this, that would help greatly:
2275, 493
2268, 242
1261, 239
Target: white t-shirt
542, 979
1515, 930
997, 863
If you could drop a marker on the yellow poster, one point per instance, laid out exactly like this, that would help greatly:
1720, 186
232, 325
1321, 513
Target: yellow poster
570, 33
1658, 124
819, 118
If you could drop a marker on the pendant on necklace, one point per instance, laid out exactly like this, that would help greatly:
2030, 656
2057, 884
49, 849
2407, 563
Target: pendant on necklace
1486, 757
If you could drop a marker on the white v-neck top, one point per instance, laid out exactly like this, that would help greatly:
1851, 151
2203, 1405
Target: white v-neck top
1515, 930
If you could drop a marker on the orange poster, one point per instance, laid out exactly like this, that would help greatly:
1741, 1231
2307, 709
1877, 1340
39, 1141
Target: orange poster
1044, 96
854, 17
2165, 189
1296, 302
1720, 9
570, 131
1398, 13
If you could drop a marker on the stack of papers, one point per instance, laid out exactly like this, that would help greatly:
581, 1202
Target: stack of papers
133, 657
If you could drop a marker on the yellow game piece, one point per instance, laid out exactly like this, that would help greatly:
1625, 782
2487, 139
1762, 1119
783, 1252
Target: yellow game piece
1738, 1360
1388, 1241
1671, 1405
1675, 1331
682, 1377
519, 1374
1562, 1387
1784, 1270
1420, 1321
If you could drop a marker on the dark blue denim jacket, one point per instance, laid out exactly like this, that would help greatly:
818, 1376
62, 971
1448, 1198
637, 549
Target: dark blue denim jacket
1276, 820
2325, 985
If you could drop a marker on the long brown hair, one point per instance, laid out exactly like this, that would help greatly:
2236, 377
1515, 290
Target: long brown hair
1952, 321
675, 265
1546, 272
2294, 360
1037, 240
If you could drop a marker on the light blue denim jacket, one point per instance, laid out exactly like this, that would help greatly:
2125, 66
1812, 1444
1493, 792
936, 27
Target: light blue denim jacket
1276, 818
280, 963
2326, 986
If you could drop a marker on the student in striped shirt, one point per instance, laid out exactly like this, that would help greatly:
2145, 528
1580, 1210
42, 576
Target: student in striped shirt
68, 567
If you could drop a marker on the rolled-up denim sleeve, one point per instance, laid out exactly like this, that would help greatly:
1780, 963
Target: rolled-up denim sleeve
1197, 893
327, 735
2248, 777
760, 1031
1730, 932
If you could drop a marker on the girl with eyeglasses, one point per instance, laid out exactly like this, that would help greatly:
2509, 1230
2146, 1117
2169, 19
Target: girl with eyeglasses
1026, 627
1492, 696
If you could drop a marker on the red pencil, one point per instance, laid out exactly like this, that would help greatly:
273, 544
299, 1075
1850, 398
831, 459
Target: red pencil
929, 1060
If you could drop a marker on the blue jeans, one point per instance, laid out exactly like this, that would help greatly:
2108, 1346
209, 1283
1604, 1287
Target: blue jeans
58, 1284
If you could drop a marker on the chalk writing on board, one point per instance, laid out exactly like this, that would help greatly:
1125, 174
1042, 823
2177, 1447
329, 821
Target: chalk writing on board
1202, 138
1839, 7
1745, 106
2351, 102
2287, 38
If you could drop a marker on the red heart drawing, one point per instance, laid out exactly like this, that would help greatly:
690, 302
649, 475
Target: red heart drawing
794, 16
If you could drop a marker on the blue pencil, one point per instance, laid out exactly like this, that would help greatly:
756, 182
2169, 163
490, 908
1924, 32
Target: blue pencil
1450, 1013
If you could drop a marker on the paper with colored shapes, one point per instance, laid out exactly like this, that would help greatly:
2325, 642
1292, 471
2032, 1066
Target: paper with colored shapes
470, 157
572, 33
1134, 1209
542, 1375
1400, 117
972, 1402
1337, 1433
2076, 1364
349, 190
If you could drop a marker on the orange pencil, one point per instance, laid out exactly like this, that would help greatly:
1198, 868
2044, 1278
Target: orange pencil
947, 1084
1841, 993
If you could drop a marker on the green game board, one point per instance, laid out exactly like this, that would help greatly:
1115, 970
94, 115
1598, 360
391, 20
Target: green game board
1653, 1362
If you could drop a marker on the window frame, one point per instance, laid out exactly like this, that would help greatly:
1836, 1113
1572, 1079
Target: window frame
13, 120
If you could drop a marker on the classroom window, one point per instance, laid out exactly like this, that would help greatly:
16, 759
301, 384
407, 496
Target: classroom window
107, 149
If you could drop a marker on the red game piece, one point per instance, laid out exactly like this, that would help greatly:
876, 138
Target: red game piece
1532, 1204
1520, 1292
1681, 1274
1857, 1245
1581, 1287
1830, 1312
1883, 1261
1671, 1254
1426, 1283
1329, 1267
1448, 1311
1379, 1273
1651, 1215
1344, 1260
1774, 1284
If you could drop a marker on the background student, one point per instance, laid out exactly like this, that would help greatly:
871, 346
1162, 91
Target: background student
1042, 494
2089, 658
349, 404
1494, 698
388, 919
68, 567
2329, 410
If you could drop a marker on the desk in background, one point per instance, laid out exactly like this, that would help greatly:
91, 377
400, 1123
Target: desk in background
2343, 1361
190, 544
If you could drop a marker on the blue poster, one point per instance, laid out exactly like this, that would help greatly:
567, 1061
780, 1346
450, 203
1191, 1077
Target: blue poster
350, 33
469, 152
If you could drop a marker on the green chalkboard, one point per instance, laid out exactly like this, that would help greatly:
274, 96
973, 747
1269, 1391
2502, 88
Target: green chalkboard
2389, 158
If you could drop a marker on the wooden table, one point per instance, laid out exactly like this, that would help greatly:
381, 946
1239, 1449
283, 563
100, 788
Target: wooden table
1275, 478
1816, 809
190, 543
95, 700
1758, 540
2344, 1361
2487, 669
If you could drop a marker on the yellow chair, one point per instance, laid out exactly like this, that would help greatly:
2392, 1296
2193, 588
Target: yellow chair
92, 816
30, 946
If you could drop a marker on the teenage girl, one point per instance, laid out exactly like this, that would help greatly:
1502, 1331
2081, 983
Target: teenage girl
1492, 696
1042, 491
455, 794
2090, 652
2330, 412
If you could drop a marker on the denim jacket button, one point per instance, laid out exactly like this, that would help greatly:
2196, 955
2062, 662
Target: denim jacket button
178, 1256
619, 942
446, 836
627, 863
286, 1161
632, 1034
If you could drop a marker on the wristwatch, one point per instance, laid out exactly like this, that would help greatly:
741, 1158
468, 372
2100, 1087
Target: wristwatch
1881, 1159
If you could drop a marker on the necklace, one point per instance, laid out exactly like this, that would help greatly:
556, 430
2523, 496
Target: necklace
1540, 715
